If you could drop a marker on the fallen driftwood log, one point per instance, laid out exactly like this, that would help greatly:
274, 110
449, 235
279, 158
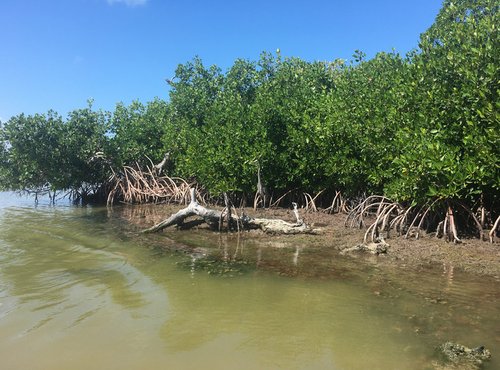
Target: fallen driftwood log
214, 219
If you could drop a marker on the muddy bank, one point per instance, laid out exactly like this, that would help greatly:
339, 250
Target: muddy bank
472, 256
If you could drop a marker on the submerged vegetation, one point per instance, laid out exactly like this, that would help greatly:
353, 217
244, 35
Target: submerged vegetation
421, 129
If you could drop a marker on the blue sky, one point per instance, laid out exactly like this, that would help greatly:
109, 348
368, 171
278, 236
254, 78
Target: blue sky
56, 54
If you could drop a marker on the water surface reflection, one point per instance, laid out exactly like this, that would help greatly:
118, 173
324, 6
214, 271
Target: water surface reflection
80, 289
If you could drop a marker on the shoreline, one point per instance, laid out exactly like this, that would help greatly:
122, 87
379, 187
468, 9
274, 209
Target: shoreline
473, 256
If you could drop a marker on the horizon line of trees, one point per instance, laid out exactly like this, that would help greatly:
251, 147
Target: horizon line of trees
415, 128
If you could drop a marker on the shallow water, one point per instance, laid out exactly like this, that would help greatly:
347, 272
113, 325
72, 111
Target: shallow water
80, 289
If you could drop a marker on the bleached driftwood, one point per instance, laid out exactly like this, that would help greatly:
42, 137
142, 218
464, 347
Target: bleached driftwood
213, 218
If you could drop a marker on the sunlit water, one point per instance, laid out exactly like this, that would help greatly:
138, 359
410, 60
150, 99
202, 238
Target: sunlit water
81, 289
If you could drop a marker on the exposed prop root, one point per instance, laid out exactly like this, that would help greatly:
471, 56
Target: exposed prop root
493, 229
450, 228
277, 202
400, 221
381, 222
479, 225
420, 224
447, 227
214, 219
135, 186
339, 204
258, 200
310, 202
357, 215
380, 214
387, 215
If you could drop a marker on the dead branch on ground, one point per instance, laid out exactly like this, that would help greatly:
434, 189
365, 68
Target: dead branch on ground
213, 219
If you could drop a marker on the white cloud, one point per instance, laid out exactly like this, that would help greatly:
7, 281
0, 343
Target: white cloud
130, 3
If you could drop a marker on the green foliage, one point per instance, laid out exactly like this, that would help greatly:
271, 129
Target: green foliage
30, 144
285, 111
44, 152
450, 143
363, 112
416, 128
138, 132
84, 150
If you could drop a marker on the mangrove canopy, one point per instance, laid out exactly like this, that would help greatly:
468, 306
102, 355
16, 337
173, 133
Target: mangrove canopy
421, 129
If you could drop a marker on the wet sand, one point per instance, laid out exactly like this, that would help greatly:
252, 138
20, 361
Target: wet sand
472, 255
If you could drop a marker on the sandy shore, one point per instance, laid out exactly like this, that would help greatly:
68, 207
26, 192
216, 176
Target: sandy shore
472, 255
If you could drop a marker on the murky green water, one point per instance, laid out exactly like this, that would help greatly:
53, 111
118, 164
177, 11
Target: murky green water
80, 289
